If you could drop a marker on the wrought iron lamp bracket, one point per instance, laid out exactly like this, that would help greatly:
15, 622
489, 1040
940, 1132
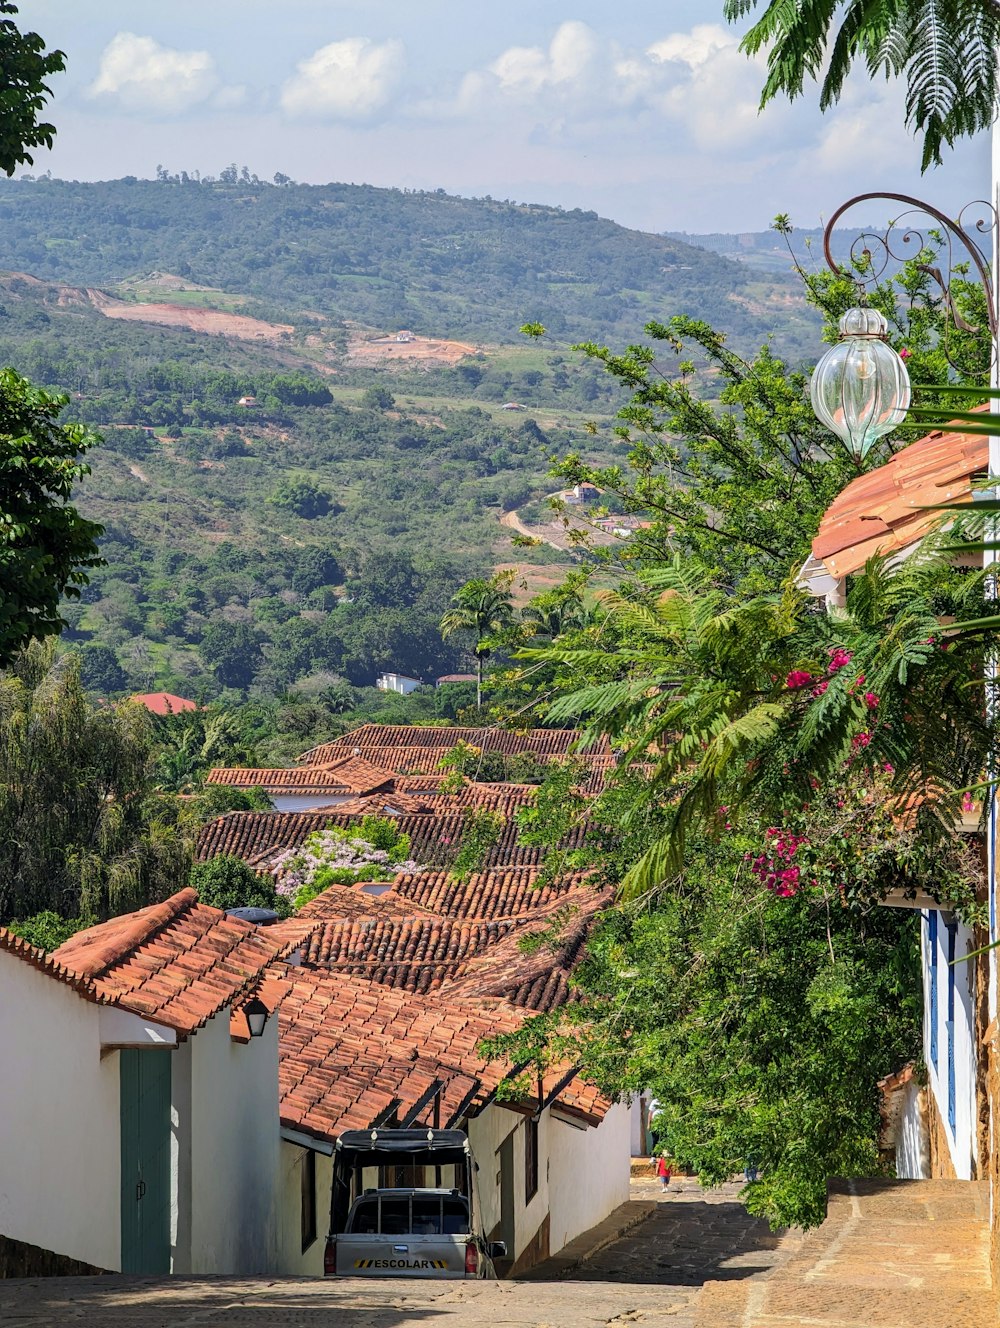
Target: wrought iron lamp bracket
872, 253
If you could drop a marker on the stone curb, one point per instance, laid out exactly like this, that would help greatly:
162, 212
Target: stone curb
590, 1243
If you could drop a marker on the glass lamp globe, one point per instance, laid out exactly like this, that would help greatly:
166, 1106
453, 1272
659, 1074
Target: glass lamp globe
860, 388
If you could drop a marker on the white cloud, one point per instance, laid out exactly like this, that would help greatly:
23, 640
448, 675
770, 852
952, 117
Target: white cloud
346, 80
142, 75
572, 54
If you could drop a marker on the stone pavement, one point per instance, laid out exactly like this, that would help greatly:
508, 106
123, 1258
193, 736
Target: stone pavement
891, 1255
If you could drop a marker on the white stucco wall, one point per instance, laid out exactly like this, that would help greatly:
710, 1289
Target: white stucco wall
305, 802
913, 1160
588, 1172
226, 1152
487, 1131
961, 1138
293, 1261
59, 1120
583, 1174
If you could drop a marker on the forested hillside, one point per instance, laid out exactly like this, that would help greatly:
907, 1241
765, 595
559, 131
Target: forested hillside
440, 265
316, 406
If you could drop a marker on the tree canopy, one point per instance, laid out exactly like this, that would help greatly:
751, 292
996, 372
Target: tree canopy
45, 544
24, 66
946, 52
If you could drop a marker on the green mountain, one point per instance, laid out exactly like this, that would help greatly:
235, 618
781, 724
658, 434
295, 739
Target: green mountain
317, 407
440, 265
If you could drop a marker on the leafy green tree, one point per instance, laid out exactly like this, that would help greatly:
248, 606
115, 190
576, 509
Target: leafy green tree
234, 651
81, 832
100, 670
759, 1023
24, 66
47, 930
946, 52
315, 567
46, 546
302, 498
484, 608
229, 882
741, 485
555, 612
378, 398
758, 703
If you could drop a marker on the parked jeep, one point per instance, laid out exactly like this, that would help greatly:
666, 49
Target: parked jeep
402, 1206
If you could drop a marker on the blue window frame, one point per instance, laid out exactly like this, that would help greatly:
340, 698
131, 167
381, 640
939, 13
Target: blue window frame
952, 929
932, 958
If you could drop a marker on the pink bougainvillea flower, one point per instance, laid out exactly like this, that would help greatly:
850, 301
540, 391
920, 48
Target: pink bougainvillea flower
888, 767
798, 678
839, 657
820, 687
905, 354
861, 740
871, 700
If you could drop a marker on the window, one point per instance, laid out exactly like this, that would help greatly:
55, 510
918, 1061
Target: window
530, 1158
416, 1215
952, 930
308, 1183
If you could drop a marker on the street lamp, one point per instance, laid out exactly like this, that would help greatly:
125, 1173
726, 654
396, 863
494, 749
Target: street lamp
860, 388
256, 1014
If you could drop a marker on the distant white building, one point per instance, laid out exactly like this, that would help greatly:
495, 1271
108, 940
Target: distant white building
397, 682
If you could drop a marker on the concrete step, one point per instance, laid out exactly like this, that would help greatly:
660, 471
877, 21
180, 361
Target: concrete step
891, 1254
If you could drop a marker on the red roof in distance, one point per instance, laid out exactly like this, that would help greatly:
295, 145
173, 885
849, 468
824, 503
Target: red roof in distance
163, 703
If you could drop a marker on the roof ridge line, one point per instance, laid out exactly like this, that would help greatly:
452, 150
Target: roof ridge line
143, 927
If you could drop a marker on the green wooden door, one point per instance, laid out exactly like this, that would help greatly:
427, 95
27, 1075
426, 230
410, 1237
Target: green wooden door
145, 1149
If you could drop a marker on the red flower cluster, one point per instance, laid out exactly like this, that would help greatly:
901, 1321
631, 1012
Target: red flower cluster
797, 679
774, 867
839, 658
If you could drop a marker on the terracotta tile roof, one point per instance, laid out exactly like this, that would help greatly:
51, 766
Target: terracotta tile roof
881, 512
413, 953
435, 837
248, 835
538, 981
163, 703
410, 763
465, 959
353, 1053
539, 742
504, 892
391, 803
178, 962
348, 901
346, 774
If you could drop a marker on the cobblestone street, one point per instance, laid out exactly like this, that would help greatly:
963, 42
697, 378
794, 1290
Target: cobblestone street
889, 1256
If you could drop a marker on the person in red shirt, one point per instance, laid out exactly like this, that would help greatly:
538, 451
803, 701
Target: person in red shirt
663, 1170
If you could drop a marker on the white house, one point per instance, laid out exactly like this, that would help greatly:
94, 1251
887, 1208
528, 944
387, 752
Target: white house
936, 1132
397, 682
326, 784
138, 1124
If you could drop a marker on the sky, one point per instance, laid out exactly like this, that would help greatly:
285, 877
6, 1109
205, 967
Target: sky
646, 113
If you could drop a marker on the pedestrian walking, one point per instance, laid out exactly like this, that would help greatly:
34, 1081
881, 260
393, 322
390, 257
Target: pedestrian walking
663, 1170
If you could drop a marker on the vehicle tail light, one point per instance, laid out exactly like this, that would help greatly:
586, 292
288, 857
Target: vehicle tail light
330, 1257
471, 1259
